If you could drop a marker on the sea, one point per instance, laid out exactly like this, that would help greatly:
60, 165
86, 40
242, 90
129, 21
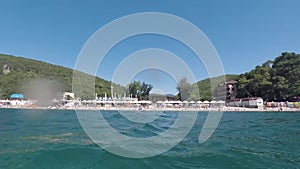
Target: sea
55, 139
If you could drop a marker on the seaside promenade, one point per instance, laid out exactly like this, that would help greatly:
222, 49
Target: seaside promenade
144, 106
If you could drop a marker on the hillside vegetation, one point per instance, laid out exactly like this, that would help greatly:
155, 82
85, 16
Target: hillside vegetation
274, 80
17, 71
277, 79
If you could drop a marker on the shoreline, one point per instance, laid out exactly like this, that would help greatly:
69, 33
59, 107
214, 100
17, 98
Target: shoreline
223, 109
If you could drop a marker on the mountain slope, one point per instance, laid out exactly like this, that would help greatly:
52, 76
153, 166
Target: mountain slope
16, 71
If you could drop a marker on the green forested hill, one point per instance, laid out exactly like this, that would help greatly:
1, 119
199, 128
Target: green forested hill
277, 80
273, 80
16, 71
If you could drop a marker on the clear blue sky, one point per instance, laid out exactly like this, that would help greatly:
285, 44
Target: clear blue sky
245, 33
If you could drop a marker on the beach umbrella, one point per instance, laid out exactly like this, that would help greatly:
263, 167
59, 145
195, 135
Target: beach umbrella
135, 102
206, 102
166, 102
213, 101
17, 96
177, 102
145, 102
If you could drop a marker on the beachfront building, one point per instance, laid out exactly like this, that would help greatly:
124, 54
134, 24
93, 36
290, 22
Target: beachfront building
62, 96
226, 91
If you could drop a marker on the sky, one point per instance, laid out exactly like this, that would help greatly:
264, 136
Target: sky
244, 33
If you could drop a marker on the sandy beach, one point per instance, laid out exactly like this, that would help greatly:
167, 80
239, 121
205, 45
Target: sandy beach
152, 108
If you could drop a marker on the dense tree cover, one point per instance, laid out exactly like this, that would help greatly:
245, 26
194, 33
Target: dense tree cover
139, 90
273, 80
21, 70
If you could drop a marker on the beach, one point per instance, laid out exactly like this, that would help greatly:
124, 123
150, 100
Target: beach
155, 108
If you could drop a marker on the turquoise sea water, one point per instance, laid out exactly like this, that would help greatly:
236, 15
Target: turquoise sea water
53, 139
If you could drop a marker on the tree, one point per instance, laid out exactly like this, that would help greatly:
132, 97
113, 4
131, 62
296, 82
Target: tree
243, 86
295, 88
273, 80
139, 90
187, 91
134, 88
286, 69
145, 91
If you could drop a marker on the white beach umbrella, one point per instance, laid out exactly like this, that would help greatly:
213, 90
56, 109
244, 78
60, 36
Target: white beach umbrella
166, 102
206, 102
171, 102
178, 102
145, 102
135, 102
213, 101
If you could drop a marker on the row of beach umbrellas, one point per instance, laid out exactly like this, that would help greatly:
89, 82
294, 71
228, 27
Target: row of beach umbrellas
158, 102
192, 102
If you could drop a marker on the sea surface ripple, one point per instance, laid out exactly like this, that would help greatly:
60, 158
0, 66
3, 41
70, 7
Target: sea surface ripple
35, 139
